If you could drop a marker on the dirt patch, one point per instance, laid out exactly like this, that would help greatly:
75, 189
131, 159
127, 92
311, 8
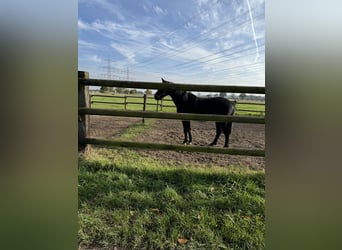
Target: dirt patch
244, 136
109, 126
247, 136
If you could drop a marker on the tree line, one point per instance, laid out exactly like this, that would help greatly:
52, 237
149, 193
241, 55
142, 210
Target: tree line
240, 96
113, 90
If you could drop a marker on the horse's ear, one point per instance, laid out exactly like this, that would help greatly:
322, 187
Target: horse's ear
164, 81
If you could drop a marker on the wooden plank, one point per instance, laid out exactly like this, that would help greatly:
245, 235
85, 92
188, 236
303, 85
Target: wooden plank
248, 110
83, 119
175, 116
144, 108
178, 86
251, 103
183, 148
107, 102
107, 96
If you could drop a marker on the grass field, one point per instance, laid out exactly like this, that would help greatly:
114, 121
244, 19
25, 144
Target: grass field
134, 202
132, 103
256, 110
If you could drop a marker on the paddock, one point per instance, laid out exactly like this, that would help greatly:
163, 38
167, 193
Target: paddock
251, 136
85, 111
137, 196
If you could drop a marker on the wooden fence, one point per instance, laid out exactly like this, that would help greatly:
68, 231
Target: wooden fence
159, 105
84, 111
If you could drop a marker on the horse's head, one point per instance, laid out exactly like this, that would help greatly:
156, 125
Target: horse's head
161, 93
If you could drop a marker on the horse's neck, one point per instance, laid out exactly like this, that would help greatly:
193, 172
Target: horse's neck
183, 99
178, 98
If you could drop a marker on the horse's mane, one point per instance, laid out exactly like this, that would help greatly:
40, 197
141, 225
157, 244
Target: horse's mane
191, 97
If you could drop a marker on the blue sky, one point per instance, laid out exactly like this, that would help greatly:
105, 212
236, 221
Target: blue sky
185, 41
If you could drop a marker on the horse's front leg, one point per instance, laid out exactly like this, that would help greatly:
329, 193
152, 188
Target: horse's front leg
186, 129
189, 132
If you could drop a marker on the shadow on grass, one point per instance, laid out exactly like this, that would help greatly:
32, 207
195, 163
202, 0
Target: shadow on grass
140, 205
114, 186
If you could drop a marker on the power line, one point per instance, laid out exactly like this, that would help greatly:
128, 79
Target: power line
229, 59
238, 66
197, 61
233, 67
167, 54
194, 61
180, 26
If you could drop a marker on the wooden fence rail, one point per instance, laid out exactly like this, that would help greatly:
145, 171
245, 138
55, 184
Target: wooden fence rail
175, 116
84, 111
183, 148
174, 86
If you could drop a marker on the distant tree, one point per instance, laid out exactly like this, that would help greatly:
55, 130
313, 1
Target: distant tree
148, 92
233, 96
223, 94
133, 91
119, 90
125, 91
242, 96
104, 89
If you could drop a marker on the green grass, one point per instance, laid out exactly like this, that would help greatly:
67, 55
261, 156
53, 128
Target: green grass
135, 129
137, 99
255, 110
133, 202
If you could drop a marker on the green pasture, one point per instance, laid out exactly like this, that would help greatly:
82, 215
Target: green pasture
255, 110
131, 103
130, 201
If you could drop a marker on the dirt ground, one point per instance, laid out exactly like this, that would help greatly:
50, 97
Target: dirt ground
244, 136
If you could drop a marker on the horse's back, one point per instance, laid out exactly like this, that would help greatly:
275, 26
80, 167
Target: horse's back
204, 105
213, 105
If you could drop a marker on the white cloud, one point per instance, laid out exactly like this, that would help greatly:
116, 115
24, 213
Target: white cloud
95, 58
91, 58
87, 45
202, 2
124, 51
211, 13
159, 11
106, 5
82, 25
195, 52
112, 30
239, 7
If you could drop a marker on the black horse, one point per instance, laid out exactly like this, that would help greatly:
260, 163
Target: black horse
186, 102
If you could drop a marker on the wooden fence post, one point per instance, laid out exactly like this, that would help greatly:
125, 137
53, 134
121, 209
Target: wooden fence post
83, 120
144, 107
90, 101
125, 102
